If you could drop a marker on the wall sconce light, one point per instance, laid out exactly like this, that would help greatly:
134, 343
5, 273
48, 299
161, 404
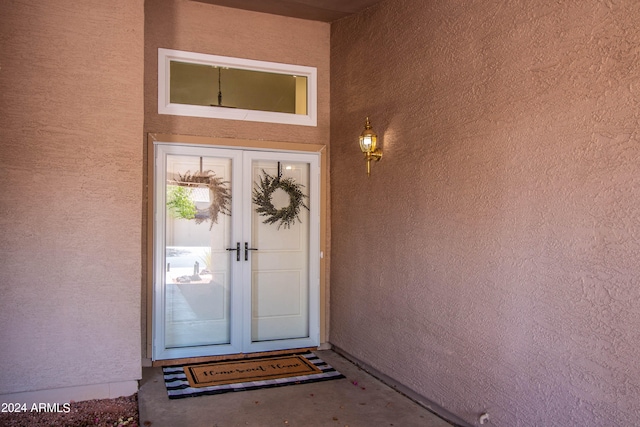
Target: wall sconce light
369, 145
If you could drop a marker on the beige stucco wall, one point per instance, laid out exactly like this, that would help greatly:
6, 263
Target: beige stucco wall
203, 28
491, 261
71, 80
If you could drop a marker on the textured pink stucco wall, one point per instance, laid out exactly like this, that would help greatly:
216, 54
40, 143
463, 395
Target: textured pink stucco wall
71, 76
204, 28
491, 261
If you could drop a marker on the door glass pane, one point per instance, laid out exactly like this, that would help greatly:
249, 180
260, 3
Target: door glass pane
280, 265
197, 264
210, 85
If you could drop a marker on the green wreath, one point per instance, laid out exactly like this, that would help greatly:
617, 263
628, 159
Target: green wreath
263, 192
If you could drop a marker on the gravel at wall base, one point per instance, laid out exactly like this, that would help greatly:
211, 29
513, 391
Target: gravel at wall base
119, 412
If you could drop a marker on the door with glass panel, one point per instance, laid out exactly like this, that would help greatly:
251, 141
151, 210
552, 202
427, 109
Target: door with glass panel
236, 251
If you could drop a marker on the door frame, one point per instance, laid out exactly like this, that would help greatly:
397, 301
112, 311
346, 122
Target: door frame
224, 143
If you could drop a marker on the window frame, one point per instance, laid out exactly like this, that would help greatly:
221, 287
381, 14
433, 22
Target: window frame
165, 56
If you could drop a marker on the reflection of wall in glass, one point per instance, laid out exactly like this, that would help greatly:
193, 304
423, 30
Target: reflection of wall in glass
207, 85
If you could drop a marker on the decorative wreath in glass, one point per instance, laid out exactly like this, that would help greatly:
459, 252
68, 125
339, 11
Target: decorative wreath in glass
262, 197
220, 195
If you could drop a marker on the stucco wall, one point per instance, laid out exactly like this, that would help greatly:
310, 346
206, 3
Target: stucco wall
71, 80
203, 28
490, 262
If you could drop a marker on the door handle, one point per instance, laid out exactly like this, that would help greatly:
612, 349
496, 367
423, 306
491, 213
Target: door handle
246, 251
237, 249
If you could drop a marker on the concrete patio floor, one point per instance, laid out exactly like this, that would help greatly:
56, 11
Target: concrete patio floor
359, 400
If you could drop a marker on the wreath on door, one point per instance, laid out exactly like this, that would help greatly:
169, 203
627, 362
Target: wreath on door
263, 195
219, 191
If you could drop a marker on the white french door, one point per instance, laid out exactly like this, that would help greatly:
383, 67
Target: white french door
236, 251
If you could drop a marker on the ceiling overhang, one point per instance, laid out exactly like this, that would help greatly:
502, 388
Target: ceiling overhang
315, 10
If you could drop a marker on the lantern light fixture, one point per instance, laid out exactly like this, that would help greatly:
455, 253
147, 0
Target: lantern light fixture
369, 145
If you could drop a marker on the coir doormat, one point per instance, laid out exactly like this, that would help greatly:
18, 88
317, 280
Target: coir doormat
247, 374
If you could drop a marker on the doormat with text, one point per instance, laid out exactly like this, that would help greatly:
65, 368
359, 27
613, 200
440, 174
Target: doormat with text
247, 374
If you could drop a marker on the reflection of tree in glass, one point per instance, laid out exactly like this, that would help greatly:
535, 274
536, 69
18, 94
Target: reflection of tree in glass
180, 203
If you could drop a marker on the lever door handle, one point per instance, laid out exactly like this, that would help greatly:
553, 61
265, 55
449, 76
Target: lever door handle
237, 249
246, 251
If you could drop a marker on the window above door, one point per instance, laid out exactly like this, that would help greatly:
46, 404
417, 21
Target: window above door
210, 86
